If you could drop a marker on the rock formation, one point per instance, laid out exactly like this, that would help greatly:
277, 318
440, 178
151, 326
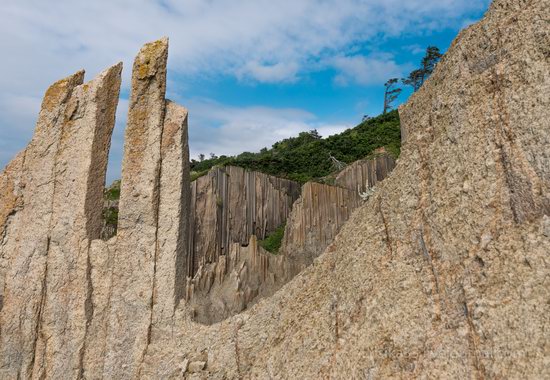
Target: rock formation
314, 222
229, 205
442, 273
232, 208
363, 175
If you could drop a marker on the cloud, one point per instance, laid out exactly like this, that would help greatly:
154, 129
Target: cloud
222, 129
279, 72
414, 49
366, 70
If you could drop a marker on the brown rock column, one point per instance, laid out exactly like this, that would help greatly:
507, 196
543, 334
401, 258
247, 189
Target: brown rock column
25, 288
134, 263
80, 168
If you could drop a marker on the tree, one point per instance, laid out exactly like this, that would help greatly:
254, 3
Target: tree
417, 77
391, 93
414, 79
213, 156
315, 134
433, 55
201, 157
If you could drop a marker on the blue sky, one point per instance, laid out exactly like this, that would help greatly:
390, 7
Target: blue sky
250, 72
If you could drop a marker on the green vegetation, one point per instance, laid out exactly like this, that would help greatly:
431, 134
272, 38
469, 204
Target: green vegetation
112, 193
307, 156
417, 77
273, 241
110, 215
197, 174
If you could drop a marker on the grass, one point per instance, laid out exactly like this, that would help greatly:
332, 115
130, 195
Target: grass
273, 241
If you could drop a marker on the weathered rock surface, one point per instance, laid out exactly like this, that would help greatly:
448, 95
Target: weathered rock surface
314, 222
234, 282
230, 204
54, 214
443, 273
233, 208
363, 175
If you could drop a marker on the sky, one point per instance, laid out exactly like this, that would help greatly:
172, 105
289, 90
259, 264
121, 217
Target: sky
251, 72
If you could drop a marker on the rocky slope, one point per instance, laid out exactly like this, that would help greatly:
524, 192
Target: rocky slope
443, 273
232, 208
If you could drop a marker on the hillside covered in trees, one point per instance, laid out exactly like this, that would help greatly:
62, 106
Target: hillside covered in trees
309, 156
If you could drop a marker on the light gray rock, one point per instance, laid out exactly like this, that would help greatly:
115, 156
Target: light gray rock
25, 285
135, 258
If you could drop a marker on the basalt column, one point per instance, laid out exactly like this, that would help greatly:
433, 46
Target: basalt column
151, 245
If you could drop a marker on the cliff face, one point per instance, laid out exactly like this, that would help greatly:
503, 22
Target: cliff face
232, 208
73, 305
443, 273
363, 175
314, 222
229, 205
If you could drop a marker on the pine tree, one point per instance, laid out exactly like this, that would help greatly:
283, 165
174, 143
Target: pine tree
391, 93
414, 79
417, 77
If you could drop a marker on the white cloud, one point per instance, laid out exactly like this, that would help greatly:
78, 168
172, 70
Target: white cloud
366, 70
221, 129
279, 72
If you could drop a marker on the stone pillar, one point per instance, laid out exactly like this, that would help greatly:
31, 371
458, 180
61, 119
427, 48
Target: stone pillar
25, 292
80, 168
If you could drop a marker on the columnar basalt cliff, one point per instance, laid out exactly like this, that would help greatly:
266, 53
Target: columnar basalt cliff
231, 204
442, 273
363, 175
314, 222
233, 208
230, 209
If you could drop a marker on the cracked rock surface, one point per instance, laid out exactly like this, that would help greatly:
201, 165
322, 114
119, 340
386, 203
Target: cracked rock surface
443, 273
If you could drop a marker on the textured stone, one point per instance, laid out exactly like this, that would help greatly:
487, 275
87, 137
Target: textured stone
406, 289
234, 282
134, 269
173, 218
229, 205
28, 244
363, 175
443, 273
315, 221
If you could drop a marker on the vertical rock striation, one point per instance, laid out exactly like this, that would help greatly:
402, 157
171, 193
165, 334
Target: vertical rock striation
45, 245
363, 175
229, 205
443, 273
72, 305
136, 250
314, 222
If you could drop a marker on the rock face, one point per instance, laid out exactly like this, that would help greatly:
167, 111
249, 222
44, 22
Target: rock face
230, 209
233, 208
53, 199
73, 305
231, 204
314, 222
443, 273
363, 175
235, 281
